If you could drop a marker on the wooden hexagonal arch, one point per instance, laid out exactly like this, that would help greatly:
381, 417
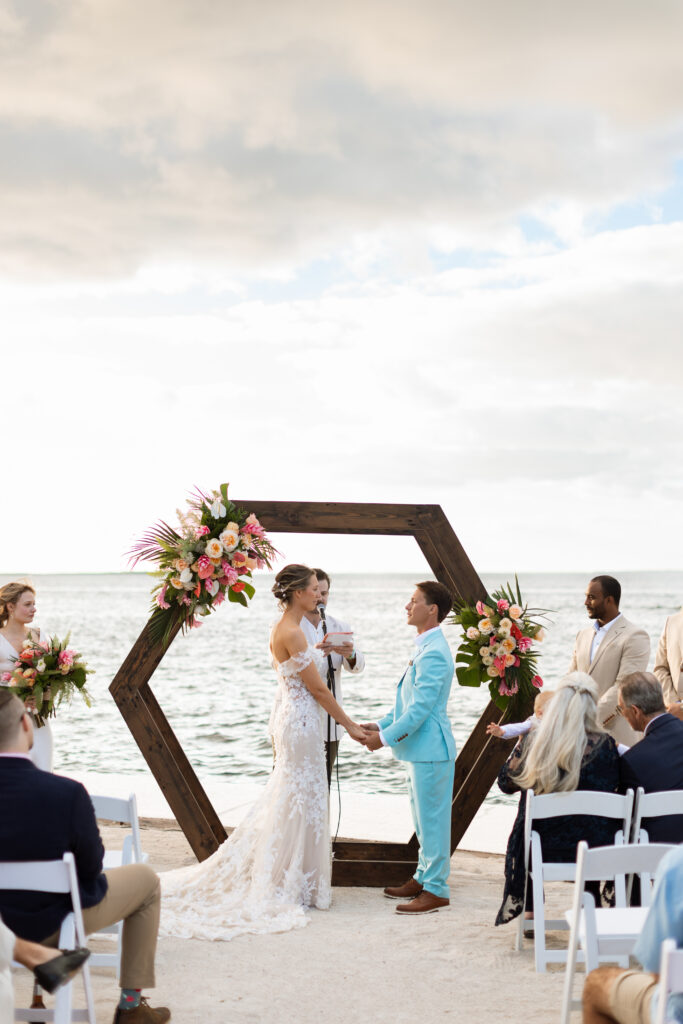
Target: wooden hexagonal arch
356, 862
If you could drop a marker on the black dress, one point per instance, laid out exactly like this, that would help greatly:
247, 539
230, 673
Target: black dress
559, 836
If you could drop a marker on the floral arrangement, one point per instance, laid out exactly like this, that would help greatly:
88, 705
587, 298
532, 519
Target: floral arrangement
48, 672
497, 645
210, 557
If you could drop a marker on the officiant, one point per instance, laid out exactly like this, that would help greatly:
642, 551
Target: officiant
337, 656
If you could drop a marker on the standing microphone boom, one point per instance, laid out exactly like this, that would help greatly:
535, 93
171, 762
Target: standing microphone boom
321, 612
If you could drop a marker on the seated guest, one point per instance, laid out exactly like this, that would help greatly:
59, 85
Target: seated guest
656, 762
625, 996
44, 816
568, 750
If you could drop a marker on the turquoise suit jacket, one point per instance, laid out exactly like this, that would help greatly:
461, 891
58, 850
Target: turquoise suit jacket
418, 728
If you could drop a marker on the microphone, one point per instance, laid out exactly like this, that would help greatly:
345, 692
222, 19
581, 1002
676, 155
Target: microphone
321, 612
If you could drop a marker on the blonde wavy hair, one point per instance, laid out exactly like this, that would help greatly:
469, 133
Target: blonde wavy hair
556, 747
10, 594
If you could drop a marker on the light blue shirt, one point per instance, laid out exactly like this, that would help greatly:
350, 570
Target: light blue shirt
664, 921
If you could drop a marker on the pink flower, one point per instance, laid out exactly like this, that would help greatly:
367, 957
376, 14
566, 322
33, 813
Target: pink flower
6, 677
493, 641
161, 598
502, 605
202, 531
219, 598
185, 600
195, 623
480, 608
524, 643
239, 559
253, 527
516, 662
229, 576
27, 654
204, 567
66, 658
260, 563
537, 682
212, 587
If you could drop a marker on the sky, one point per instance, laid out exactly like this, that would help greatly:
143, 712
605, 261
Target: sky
372, 251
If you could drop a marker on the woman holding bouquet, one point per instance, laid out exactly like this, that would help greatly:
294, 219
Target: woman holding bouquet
17, 610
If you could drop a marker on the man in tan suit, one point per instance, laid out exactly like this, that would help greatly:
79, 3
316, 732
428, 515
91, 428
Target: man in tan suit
669, 663
609, 650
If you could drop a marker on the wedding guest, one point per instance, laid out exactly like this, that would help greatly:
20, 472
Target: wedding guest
513, 730
44, 816
609, 650
656, 763
17, 611
626, 996
347, 655
51, 970
567, 751
669, 663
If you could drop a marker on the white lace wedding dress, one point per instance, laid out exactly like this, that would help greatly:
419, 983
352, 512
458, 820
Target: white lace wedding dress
278, 860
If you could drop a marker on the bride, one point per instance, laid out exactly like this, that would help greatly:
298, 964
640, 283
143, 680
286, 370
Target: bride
278, 860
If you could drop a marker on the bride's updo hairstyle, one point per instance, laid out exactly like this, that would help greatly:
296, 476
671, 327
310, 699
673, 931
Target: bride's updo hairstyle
10, 594
292, 577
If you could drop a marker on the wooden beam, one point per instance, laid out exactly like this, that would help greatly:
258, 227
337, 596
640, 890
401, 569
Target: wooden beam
337, 516
374, 873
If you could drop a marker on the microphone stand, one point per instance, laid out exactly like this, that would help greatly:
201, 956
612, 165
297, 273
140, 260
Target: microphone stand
332, 689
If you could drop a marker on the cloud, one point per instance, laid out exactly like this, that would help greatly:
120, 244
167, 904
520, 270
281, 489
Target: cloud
247, 137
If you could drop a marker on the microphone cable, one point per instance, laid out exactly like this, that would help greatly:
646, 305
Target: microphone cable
333, 690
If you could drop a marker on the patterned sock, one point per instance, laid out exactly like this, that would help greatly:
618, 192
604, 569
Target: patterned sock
130, 998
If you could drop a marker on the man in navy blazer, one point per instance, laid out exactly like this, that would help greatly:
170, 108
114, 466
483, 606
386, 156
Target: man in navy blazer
656, 762
42, 817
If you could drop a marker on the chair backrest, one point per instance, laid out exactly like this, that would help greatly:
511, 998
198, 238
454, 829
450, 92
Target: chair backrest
670, 977
46, 876
581, 801
654, 805
112, 808
603, 863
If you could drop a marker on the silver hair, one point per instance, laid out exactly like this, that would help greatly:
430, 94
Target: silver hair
644, 690
553, 760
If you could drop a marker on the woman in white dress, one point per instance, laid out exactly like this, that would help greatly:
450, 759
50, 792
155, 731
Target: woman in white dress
17, 610
278, 860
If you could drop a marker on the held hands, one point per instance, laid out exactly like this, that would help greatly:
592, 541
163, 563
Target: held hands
676, 709
372, 740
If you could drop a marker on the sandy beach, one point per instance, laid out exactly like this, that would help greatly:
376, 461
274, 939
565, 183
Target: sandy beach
358, 961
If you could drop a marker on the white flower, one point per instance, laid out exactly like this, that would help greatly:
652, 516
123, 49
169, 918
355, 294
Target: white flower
230, 537
186, 576
484, 653
508, 645
218, 509
492, 671
212, 586
214, 548
26, 643
514, 611
472, 633
484, 626
487, 656
41, 666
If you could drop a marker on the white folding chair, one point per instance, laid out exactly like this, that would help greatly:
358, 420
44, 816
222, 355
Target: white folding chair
670, 979
55, 876
654, 805
554, 805
111, 808
606, 934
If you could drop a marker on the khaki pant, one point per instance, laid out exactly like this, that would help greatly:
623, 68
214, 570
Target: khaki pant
133, 896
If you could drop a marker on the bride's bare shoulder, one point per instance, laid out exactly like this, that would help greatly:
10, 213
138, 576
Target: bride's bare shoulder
286, 640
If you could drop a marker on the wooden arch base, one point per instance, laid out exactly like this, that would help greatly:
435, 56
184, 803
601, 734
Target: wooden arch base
355, 862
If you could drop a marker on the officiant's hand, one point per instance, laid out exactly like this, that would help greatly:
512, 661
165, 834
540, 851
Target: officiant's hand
345, 649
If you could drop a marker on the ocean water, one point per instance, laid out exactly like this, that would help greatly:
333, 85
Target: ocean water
216, 684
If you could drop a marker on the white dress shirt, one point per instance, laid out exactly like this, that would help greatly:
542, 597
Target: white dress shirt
600, 634
314, 635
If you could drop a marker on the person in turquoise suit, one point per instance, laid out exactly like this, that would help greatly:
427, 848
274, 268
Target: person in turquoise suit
419, 732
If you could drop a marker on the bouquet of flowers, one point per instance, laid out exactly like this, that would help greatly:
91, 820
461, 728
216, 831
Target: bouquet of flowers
497, 645
49, 672
210, 557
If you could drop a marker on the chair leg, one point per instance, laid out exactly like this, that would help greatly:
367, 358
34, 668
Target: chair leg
539, 923
568, 979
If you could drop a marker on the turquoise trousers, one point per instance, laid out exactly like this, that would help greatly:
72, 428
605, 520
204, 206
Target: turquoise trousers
430, 784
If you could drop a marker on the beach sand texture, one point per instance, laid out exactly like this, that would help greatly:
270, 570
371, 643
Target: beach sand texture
357, 962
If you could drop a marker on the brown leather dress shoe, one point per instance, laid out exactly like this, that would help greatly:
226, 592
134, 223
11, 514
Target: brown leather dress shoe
403, 892
142, 1014
425, 903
